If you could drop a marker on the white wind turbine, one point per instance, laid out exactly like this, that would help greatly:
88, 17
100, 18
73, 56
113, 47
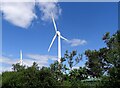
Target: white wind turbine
57, 34
21, 59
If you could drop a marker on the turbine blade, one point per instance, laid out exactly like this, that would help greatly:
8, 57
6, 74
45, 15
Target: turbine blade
63, 38
53, 20
52, 42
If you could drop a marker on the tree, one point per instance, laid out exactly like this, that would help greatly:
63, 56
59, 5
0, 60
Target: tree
71, 58
79, 74
18, 67
106, 60
94, 64
31, 77
113, 57
47, 78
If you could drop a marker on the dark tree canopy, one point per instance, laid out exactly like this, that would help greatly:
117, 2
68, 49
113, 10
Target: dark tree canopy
106, 61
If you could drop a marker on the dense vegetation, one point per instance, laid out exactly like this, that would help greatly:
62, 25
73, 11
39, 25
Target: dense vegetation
102, 68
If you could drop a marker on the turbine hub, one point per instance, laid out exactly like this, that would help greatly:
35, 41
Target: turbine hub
58, 33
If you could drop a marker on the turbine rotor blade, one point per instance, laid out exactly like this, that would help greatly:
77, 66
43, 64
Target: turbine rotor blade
63, 38
52, 42
53, 20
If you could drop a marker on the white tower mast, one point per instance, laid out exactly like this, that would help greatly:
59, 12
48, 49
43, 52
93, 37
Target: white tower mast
59, 48
21, 60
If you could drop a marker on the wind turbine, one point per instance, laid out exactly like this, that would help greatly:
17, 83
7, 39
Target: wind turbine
21, 60
57, 34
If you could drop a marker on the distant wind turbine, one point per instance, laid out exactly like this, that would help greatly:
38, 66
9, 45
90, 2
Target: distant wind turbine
21, 59
57, 34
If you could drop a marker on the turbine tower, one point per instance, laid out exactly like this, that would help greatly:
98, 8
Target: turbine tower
57, 34
21, 60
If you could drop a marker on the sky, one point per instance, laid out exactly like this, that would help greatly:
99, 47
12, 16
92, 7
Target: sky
28, 27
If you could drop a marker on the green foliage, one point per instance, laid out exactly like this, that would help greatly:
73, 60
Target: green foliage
18, 67
94, 63
71, 58
30, 77
113, 58
79, 74
106, 60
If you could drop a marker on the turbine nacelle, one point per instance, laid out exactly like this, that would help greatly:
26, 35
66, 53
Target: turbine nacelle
58, 33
